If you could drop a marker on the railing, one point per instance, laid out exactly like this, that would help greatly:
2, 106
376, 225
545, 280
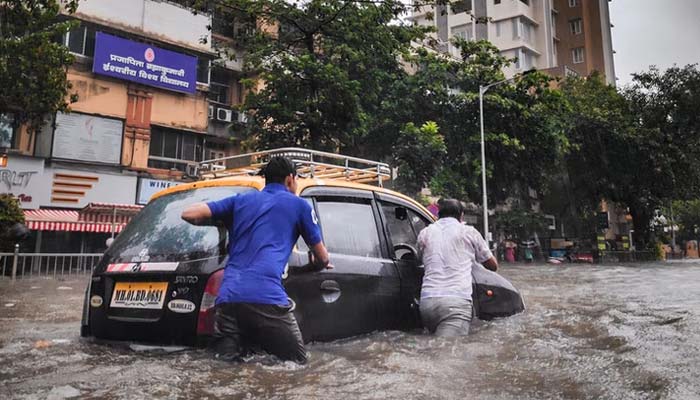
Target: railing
610, 256
27, 265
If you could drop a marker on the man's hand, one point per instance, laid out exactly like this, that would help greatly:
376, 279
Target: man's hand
197, 214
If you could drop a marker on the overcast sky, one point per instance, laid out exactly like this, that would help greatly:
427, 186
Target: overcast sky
654, 32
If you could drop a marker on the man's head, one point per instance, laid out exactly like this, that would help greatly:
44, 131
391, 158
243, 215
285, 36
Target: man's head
450, 208
281, 170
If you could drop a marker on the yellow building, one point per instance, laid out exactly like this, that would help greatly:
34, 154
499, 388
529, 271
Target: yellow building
153, 99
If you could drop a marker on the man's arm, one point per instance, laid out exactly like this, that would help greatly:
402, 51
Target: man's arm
491, 264
198, 214
320, 259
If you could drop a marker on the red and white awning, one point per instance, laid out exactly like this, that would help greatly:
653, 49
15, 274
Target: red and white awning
69, 220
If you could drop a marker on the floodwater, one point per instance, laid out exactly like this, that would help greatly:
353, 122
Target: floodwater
589, 332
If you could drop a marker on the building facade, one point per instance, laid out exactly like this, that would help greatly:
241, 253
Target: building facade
556, 36
154, 97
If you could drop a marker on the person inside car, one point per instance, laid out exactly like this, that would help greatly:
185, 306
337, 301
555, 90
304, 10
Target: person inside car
252, 305
449, 249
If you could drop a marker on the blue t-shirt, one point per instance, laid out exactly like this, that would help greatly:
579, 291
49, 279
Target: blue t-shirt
263, 228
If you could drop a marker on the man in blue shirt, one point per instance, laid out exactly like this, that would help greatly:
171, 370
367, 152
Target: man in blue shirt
252, 305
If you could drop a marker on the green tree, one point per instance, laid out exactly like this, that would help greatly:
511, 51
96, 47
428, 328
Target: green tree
325, 72
418, 155
32, 62
639, 147
523, 134
10, 214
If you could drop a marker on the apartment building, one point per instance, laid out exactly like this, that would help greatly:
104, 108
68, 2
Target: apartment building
557, 36
153, 99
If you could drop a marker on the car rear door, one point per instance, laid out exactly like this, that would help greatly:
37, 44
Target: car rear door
403, 221
361, 293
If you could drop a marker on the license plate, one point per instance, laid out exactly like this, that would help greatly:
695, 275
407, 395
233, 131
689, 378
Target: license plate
143, 295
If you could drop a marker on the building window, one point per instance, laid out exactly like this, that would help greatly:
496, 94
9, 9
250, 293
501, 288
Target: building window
577, 55
461, 6
496, 1
203, 70
576, 26
573, 3
522, 29
524, 61
7, 132
219, 87
174, 149
81, 41
527, 2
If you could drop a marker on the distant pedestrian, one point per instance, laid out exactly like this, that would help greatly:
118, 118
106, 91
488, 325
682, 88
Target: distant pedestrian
449, 250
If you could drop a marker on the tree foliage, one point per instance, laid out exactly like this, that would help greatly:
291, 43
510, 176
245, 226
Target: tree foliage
323, 71
418, 155
523, 136
32, 62
10, 214
638, 147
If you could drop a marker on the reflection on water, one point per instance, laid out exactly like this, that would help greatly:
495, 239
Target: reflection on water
613, 332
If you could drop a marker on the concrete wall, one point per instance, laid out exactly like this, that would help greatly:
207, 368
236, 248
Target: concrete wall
98, 95
180, 111
160, 20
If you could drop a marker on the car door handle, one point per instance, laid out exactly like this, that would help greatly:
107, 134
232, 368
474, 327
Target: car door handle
330, 286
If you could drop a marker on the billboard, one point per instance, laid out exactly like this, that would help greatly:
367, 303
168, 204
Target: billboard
86, 137
145, 64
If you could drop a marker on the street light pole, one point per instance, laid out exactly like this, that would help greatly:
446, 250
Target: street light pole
482, 91
484, 200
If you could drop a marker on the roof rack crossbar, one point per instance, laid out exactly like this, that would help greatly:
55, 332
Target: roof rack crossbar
312, 163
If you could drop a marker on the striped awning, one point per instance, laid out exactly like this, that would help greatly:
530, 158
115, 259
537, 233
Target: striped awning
67, 220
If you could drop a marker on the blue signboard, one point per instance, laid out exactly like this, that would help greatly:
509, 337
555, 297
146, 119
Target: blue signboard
145, 64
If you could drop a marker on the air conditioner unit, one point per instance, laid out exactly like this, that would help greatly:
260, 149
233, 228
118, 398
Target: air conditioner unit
223, 114
242, 117
211, 112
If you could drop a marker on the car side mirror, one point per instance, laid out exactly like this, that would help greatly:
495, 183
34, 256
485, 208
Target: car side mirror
401, 213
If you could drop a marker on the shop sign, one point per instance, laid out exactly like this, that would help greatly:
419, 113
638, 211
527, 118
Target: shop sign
22, 179
144, 63
87, 138
77, 188
149, 187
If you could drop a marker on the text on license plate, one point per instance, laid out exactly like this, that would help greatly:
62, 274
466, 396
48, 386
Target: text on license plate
149, 295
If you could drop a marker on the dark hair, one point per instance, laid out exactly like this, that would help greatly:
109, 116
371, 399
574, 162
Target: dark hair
450, 208
279, 168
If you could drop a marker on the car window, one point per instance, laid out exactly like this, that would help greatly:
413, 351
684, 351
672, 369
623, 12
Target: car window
399, 226
419, 223
158, 233
349, 228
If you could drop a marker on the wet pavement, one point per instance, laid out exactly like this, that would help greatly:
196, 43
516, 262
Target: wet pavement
589, 332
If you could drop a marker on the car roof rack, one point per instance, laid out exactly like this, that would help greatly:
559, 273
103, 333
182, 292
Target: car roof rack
310, 164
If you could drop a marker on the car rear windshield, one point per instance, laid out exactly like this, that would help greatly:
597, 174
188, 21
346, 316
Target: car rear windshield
158, 233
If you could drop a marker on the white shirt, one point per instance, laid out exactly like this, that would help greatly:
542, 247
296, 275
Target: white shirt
449, 249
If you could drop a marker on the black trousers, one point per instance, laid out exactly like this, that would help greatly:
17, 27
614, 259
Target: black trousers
240, 327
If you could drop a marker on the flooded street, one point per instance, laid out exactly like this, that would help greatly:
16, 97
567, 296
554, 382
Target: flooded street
589, 332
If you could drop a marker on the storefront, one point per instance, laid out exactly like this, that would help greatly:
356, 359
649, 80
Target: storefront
77, 231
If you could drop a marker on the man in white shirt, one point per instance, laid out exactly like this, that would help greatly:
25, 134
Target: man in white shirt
449, 250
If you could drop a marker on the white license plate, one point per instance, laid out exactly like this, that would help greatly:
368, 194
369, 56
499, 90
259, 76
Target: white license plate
143, 295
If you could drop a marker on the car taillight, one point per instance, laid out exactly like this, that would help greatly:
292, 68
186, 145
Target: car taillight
205, 322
